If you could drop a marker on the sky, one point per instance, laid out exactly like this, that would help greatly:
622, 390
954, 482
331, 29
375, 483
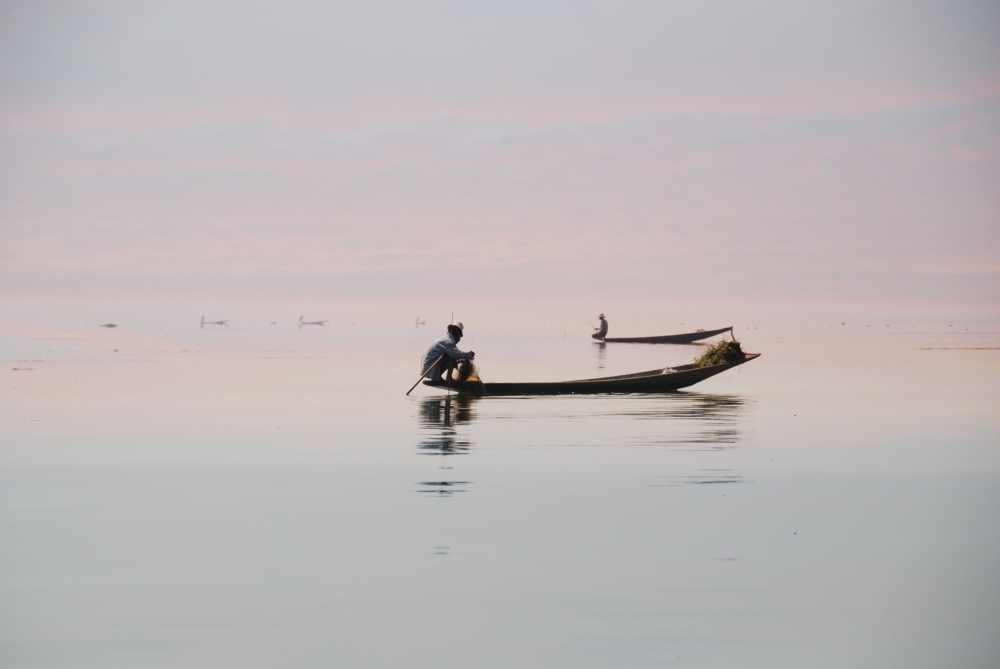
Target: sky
506, 158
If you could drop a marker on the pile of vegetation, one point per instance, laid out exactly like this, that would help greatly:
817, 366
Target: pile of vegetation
724, 351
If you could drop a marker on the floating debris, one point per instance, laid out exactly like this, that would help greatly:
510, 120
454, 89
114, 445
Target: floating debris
110, 325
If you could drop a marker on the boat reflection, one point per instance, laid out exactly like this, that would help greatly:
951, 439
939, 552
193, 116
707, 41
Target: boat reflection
679, 420
683, 421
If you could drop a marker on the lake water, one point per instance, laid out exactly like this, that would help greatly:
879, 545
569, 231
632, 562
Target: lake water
268, 496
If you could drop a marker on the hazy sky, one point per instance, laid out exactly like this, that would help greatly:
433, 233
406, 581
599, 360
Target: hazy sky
798, 152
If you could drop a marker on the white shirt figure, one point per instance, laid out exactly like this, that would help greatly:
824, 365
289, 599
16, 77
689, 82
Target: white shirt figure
446, 346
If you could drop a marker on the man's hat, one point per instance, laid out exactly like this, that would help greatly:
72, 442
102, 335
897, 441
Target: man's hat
601, 316
458, 325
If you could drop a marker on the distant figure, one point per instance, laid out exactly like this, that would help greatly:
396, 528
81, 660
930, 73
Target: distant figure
204, 322
601, 332
446, 346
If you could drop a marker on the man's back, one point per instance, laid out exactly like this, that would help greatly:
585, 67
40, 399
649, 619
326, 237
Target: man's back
603, 332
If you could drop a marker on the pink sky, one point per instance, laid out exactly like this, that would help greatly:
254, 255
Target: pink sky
506, 153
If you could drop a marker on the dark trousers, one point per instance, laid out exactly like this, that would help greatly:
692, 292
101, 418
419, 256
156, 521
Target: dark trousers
444, 367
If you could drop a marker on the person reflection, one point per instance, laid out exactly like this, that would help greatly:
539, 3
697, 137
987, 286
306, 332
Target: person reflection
602, 354
438, 418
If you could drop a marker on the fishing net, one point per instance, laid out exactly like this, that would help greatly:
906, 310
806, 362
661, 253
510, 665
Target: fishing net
466, 371
723, 352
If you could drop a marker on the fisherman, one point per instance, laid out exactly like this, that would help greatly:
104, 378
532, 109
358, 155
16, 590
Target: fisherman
602, 332
446, 346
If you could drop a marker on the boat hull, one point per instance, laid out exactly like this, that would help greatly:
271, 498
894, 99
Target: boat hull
653, 381
685, 338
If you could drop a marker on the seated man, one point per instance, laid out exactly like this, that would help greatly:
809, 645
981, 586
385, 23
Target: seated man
603, 331
446, 346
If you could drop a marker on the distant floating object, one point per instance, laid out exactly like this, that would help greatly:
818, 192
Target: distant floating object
302, 322
204, 322
420, 322
109, 325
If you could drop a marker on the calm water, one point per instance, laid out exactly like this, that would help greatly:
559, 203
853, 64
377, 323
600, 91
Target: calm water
269, 497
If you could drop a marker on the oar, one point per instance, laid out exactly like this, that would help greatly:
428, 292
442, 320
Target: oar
425, 374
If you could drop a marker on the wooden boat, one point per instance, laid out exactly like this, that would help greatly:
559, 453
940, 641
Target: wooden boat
685, 338
653, 381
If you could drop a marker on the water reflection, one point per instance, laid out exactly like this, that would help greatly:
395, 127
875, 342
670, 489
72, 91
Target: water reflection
698, 421
678, 421
715, 420
602, 354
438, 418
702, 477
442, 487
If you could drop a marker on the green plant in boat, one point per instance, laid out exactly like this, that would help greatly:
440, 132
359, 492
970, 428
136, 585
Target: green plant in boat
724, 351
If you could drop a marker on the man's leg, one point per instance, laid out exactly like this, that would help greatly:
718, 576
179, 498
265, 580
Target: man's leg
435, 373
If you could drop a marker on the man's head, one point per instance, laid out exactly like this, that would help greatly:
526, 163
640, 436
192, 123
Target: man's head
455, 329
601, 317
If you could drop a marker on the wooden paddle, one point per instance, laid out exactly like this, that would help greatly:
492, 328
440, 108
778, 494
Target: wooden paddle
425, 374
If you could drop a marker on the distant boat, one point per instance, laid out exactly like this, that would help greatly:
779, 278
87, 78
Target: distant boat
685, 338
420, 322
204, 322
109, 325
654, 381
302, 322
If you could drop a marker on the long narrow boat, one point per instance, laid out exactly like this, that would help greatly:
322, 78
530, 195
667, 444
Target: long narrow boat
685, 338
653, 381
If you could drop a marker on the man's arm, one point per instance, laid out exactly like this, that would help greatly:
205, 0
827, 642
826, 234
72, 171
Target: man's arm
452, 350
461, 355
